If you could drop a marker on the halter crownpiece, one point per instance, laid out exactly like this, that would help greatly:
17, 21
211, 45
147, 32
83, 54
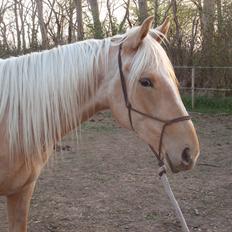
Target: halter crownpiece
130, 108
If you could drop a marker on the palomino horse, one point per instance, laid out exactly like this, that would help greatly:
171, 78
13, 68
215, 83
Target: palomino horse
45, 95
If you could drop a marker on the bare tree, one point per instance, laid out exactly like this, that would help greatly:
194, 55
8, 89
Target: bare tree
80, 30
43, 29
56, 21
121, 25
143, 14
98, 33
18, 32
33, 27
208, 19
70, 10
194, 31
112, 24
156, 13
178, 35
22, 19
3, 27
219, 17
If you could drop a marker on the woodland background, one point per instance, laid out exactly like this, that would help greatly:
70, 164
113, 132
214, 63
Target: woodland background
200, 35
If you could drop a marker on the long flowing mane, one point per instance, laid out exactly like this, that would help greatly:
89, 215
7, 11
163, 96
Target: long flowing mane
42, 92
36, 90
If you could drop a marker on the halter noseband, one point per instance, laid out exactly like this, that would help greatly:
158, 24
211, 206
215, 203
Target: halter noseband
130, 108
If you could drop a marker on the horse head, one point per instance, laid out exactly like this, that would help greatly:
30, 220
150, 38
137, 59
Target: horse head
143, 95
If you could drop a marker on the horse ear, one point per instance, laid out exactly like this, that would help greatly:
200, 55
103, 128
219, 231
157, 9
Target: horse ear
137, 34
161, 31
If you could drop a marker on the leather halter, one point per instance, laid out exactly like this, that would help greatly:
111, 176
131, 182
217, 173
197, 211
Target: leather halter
130, 108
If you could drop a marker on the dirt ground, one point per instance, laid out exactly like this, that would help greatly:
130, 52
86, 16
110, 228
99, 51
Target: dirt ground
109, 183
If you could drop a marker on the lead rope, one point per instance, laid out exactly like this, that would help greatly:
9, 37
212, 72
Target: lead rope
168, 190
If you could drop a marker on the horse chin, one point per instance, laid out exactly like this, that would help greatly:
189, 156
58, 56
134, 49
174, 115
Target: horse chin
173, 169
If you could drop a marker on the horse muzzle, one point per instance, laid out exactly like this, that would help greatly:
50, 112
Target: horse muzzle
186, 163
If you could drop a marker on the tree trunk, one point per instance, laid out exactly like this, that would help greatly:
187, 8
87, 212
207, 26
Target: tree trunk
70, 23
21, 15
112, 24
18, 33
142, 10
194, 31
219, 17
121, 25
42, 25
34, 41
98, 34
156, 13
178, 35
80, 30
4, 37
208, 30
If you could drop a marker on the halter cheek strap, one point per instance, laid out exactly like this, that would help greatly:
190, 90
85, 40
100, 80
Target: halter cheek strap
124, 88
130, 108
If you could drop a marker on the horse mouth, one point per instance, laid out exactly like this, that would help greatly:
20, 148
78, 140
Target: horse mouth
173, 169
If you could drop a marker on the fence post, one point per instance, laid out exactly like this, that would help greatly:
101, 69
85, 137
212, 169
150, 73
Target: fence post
193, 87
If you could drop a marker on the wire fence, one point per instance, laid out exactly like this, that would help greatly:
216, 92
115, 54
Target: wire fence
204, 81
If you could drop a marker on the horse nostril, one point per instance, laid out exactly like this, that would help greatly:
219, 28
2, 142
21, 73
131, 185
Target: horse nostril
186, 156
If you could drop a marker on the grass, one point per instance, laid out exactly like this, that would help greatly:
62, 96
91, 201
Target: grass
210, 105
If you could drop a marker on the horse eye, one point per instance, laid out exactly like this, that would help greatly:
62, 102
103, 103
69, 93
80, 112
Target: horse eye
145, 82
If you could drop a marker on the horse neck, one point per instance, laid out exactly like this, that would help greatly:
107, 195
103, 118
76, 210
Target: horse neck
93, 99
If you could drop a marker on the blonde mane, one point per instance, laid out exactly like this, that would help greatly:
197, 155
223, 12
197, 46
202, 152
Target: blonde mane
36, 88
39, 91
